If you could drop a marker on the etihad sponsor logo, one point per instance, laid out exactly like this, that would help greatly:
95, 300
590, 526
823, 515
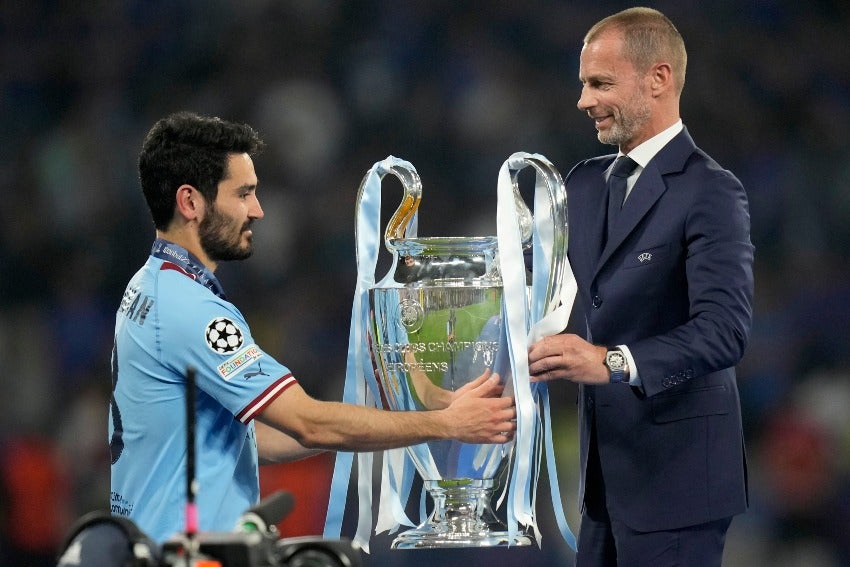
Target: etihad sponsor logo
175, 254
242, 359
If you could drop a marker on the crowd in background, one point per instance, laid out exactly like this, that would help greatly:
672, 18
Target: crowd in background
454, 87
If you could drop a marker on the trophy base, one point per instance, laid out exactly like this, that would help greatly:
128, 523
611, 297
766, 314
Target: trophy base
424, 539
462, 517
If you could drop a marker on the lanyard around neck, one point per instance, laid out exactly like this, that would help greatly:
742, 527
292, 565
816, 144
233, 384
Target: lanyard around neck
187, 262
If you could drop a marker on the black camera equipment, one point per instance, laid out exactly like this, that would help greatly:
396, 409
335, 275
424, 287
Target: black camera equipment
101, 539
255, 543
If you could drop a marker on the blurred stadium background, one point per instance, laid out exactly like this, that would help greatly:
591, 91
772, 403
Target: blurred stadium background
454, 87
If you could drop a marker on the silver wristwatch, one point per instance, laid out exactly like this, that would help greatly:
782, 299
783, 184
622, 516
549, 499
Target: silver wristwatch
615, 360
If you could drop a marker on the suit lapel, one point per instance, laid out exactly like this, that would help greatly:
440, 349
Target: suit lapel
646, 191
596, 222
644, 194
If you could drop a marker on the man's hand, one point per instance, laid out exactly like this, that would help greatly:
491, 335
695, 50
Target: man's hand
478, 414
434, 397
474, 384
567, 357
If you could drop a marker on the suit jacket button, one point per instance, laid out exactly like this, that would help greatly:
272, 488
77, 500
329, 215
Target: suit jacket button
597, 301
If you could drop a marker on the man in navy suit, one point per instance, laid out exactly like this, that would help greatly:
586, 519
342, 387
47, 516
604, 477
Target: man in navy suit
665, 282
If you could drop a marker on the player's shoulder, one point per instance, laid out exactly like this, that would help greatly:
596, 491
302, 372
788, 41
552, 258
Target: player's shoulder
182, 299
173, 283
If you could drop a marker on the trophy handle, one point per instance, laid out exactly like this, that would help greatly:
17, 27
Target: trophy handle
557, 192
524, 219
403, 222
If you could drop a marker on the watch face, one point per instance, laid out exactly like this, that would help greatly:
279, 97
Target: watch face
615, 360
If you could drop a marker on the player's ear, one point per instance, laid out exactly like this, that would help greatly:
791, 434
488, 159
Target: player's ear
190, 203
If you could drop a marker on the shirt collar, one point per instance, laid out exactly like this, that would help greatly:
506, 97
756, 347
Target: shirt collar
189, 264
643, 153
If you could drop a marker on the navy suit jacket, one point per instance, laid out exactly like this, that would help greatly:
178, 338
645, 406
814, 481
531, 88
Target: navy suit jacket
675, 284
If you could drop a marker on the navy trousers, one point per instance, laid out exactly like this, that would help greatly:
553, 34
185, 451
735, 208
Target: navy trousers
607, 542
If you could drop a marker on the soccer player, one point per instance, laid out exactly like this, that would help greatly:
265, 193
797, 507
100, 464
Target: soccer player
198, 178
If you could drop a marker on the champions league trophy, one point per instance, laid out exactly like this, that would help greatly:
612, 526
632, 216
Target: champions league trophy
439, 319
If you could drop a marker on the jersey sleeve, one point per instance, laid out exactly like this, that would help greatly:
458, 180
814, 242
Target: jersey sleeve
200, 330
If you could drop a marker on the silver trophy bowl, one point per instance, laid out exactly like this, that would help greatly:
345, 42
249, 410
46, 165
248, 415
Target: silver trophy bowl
431, 336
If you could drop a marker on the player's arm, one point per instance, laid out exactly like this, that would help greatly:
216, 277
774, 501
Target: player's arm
275, 446
476, 416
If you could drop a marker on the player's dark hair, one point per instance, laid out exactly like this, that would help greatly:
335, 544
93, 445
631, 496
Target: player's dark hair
185, 148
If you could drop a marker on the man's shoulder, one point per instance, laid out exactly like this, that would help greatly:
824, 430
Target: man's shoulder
702, 169
590, 169
596, 163
683, 156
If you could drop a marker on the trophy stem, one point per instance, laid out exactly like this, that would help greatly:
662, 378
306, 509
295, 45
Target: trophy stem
462, 517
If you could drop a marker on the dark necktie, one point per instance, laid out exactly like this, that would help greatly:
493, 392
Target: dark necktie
623, 167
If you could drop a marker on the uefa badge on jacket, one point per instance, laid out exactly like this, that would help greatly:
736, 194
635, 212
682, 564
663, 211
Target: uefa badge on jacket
449, 309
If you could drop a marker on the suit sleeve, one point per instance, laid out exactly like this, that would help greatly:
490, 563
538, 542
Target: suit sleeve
718, 272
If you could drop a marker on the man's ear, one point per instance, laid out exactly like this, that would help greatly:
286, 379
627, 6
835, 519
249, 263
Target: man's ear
661, 79
190, 203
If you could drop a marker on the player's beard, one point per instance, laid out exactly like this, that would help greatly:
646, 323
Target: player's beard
221, 237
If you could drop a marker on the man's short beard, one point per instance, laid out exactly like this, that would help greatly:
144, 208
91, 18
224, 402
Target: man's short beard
624, 129
212, 233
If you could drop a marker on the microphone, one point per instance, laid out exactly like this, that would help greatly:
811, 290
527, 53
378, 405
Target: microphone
270, 510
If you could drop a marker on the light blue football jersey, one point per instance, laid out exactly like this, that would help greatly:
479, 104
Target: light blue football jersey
174, 316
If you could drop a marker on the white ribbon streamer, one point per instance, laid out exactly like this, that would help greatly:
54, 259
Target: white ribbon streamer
526, 324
